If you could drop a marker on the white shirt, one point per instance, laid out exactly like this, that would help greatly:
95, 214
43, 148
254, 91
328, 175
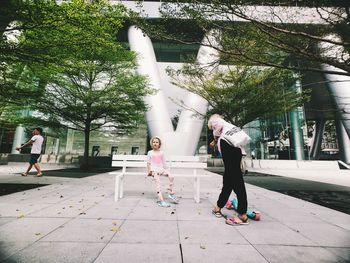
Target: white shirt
37, 144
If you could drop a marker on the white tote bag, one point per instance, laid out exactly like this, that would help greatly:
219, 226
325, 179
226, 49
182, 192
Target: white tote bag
234, 135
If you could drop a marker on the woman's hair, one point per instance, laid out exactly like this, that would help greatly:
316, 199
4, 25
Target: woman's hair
155, 137
212, 118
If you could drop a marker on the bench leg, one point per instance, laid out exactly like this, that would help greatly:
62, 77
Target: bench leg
197, 189
117, 187
121, 187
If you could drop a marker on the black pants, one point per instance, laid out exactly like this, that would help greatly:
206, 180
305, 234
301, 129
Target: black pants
233, 178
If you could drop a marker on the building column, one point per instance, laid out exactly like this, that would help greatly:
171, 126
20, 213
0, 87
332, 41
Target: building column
18, 139
317, 139
296, 118
69, 141
343, 142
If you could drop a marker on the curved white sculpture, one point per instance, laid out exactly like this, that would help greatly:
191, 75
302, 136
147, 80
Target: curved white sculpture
184, 140
339, 85
157, 116
188, 123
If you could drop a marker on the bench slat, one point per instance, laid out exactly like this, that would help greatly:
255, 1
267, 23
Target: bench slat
122, 157
188, 165
128, 164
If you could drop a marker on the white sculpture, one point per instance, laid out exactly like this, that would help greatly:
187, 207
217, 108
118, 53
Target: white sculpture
184, 140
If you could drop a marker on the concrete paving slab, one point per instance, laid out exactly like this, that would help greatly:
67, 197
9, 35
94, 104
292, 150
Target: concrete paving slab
332, 217
297, 254
125, 230
112, 211
58, 252
323, 234
341, 252
68, 210
145, 253
5, 220
22, 232
273, 233
147, 232
153, 212
85, 230
209, 232
209, 253
19, 210
194, 213
124, 202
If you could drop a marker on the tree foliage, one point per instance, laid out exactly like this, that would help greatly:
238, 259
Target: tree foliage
242, 94
271, 36
82, 77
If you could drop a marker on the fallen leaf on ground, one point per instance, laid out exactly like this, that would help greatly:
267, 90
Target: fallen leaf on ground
114, 229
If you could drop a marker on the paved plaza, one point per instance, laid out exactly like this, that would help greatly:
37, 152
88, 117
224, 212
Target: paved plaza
77, 220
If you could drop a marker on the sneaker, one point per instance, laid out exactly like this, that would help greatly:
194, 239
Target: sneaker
163, 204
173, 198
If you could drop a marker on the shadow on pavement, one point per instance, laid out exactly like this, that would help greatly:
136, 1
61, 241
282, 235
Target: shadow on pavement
6, 189
77, 172
333, 196
9, 188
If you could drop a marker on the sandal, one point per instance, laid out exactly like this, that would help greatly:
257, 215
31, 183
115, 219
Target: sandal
243, 219
39, 175
233, 221
217, 213
24, 174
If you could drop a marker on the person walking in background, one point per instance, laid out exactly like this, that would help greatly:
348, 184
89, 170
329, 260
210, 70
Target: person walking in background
156, 168
232, 178
37, 142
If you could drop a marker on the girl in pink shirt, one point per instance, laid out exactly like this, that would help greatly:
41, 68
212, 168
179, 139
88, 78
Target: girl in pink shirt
156, 168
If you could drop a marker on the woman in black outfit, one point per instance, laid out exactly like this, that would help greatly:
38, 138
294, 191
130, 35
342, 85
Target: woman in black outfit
232, 178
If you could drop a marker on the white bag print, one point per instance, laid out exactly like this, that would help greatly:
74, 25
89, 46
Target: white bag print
234, 135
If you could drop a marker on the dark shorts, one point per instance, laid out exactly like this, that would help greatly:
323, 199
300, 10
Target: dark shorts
34, 158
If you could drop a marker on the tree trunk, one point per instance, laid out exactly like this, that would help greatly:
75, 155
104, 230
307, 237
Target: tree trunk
85, 164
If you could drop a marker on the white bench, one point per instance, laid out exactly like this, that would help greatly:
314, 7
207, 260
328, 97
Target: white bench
137, 161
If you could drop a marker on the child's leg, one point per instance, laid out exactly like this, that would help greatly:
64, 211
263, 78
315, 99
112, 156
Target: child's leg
156, 177
171, 181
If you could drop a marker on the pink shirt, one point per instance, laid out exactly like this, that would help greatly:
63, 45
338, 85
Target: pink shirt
156, 160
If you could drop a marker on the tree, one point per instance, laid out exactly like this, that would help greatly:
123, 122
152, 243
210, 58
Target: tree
242, 94
85, 79
265, 36
43, 36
